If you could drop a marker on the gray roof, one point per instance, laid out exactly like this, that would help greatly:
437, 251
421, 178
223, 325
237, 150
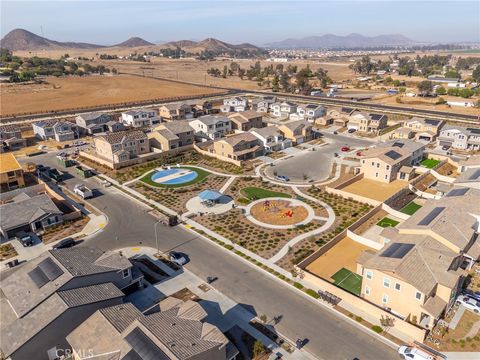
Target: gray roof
90, 294
51, 123
266, 131
93, 115
212, 119
122, 136
471, 175
26, 210
80, 261
121, 316
177, 126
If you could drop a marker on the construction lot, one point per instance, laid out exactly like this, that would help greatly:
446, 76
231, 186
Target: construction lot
375, 190
79, 92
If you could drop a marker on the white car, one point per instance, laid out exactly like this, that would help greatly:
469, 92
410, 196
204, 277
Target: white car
415, 353
470, 303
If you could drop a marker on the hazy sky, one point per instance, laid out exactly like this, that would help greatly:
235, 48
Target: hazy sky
258, 22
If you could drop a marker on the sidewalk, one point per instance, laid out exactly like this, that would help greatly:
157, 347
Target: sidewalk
222, 310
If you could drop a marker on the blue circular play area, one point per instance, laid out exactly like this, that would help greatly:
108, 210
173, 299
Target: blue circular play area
174, 176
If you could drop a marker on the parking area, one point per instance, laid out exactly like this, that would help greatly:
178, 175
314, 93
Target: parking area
375, 190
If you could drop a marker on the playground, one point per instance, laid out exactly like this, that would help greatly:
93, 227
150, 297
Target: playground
280, 212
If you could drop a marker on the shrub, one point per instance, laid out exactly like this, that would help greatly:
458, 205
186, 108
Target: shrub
312, 293
377, 329
298, 285
228, 247
358, 318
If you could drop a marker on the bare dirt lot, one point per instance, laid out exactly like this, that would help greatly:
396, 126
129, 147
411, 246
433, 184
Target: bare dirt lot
78, 92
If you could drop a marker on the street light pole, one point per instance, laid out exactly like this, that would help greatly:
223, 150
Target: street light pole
156, 235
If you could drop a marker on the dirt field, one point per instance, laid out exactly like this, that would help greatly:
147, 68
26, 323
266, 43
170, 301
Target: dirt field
375, 189
276, 214
77, 92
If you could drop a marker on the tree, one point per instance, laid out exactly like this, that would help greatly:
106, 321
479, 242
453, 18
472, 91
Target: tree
225, 72
258, 348
441, 91
114, 71
441, 101
241, 73
425, 87
476, 74
276, 83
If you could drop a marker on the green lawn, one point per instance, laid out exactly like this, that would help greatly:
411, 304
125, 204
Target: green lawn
202, 174
386, 222
348, 280
259, 193
429, 163
411, 208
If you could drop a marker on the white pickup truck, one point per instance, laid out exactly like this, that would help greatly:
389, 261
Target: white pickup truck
83, 191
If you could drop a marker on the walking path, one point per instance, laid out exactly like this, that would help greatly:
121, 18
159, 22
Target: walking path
227, 184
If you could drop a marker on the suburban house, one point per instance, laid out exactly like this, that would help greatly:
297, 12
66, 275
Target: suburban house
234, 104
49, 296
263, 104
246, 120
392, 160
97, 122
298, 131
202, 108
211, 127
418, 275
458, 137
118, 147
333, 117
177, 111
272, 138
402, 133
309, 112
284, 109
238, 147
54, 129
174, 329
11, 138
140, 118
172, 135
11, 172
425, 129
367, 123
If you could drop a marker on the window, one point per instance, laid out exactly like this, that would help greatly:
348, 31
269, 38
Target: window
388, 167
386, 282
385, 298
376, 174
367, 290
418, 295
369, 274
378, 165
125, 273
397, 286
386, 177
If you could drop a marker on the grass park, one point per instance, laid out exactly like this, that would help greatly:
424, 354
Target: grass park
256, 193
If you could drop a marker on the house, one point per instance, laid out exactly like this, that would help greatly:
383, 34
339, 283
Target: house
298, 131
272, 138
419, 274
172, 135
469, 178
367, 123
177, 111
200, 108
11, 172
309, 112
54, 129
50, 295
97, 122
246, 120
263, 104
238, 147
118, 147
11, 138
174, 329
140, 118
284, 109
425, 129
403, 133
472, 162
211, 127
458, 137
28, 212
234, 104
392, 160
333, 117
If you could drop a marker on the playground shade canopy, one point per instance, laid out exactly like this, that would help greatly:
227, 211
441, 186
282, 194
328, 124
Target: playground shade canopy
210, 195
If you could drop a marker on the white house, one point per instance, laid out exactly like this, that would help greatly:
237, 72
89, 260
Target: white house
272, 138
211, 127
234, 104
284, 109
309, 112
140, 118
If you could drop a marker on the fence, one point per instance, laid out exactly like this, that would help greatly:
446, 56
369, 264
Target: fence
216, 156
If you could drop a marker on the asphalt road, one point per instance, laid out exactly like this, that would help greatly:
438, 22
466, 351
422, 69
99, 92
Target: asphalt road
315, 165
330, 336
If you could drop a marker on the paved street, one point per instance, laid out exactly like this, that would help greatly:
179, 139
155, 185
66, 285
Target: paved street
315, 164
330, 337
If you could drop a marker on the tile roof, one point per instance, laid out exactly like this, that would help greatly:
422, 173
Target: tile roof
121, 316
237, 138
90, 294
122, 136
296, 124
266, 131
8, 162
176, 127
93, 115
245, 115
212, 119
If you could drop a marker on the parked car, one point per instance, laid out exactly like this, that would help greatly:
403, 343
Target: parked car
335, 133
469, 302
336, 155
65, 243
345, 149
445, 147
83, 191
418, 353
177, 258
25, 239
351, 131
473, 294
359, 153
282, 178
106, 183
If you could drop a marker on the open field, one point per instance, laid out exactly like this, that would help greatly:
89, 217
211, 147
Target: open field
78, 92
376, 190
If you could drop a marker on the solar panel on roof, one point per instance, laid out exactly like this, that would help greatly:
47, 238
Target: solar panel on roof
346, 110
432, 122
376, 116
474, 130
393, 155
431, 215
398, 144
38, 277
144, 347
397, 250
51, 270
457, 192
475, 175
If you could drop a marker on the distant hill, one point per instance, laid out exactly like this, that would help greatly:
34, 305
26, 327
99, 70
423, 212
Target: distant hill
133, 42
348, 41
210, 44
20, 39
